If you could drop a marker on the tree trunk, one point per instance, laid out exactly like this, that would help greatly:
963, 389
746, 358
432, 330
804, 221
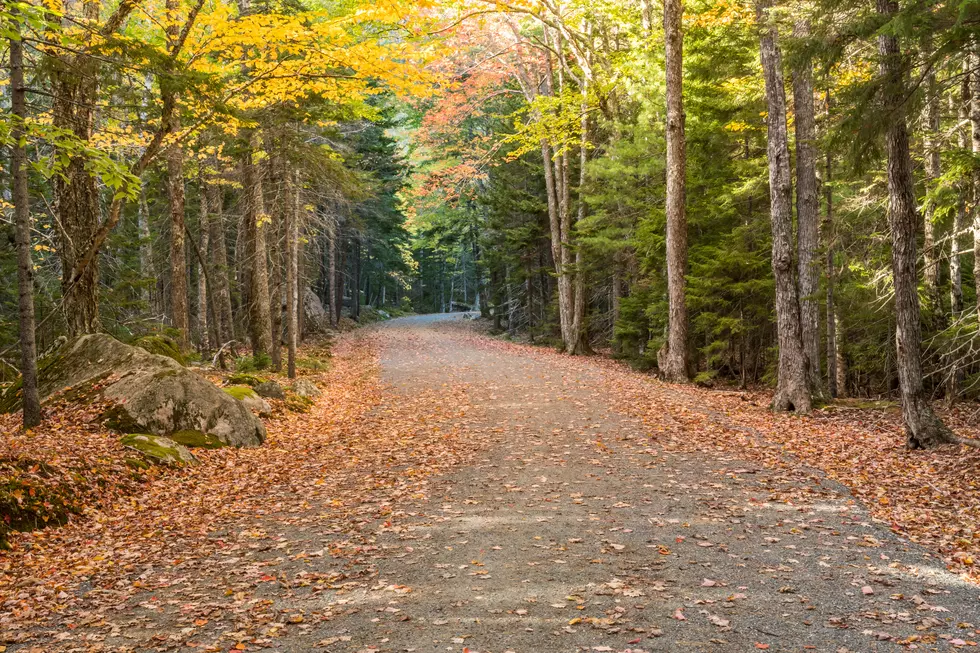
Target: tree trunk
219, 259
558, 245
257, 223
281, 183
178, 259
30, 401
77, 195
146, 250
341, 273
807, 213
792, 388
204, 340
675, 359
959, 228
831, 309
355, 283
292, 278
923, 428
932, 170
179, 310
974, 78
334, 298
615, 301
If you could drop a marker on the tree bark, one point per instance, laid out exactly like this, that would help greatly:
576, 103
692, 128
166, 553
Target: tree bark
355, 283
959, 228
77, 195
219, 258
676, 359
932, 170
204, 341
179, 311
974, 77
807, 212
292, 278
147, 271
923, 428
832, 344
257, 224
334, 298
792, 388
281, 182
30, 400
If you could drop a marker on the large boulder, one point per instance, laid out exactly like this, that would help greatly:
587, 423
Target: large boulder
146, 393
315, 318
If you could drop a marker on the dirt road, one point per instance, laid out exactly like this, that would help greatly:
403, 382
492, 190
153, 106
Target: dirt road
567, 529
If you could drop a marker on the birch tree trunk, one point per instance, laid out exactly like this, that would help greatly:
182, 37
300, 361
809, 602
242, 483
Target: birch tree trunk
792, 388
30, 401
675, 359
807, 213
922, 427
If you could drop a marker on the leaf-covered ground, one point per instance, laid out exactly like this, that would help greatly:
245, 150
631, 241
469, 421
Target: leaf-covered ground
453, 492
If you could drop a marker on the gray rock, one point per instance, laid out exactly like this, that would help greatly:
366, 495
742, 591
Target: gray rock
270, 390
306, 388
159, 450
315, 316
249, 398
147, 393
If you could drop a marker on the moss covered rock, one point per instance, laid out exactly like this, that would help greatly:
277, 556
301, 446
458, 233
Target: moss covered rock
244, 378
249, 398
161, 346
306, 388
147, 393
270, 390
197, 439
159, 450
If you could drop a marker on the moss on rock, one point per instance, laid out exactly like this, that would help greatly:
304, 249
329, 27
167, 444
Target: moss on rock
161, 346
243, 378
197, 439
158, 449
241, 392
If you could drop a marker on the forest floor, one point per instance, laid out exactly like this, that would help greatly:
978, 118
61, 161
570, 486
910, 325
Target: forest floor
451, 492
